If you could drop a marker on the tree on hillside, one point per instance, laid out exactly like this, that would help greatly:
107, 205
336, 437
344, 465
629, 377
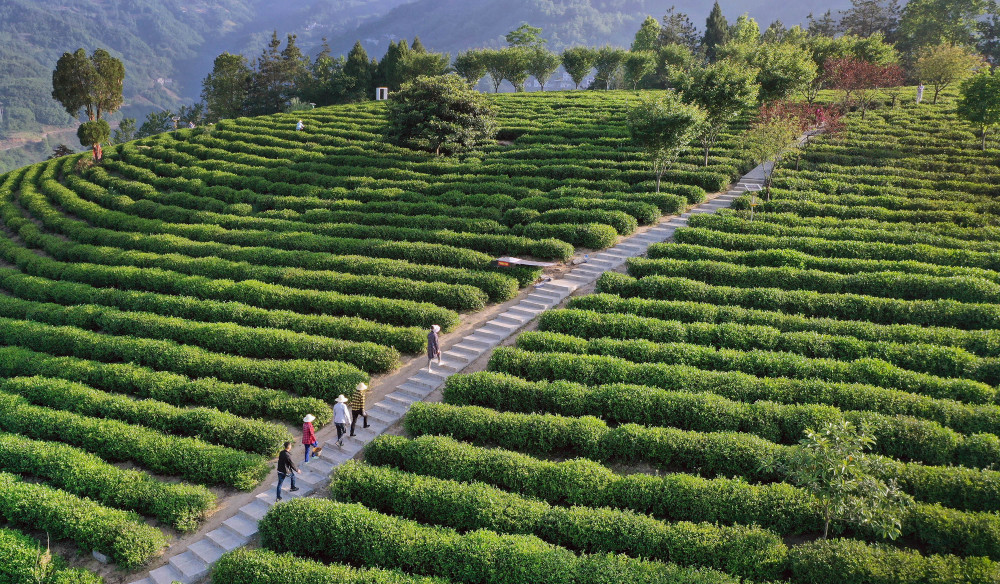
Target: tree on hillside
663, 127
267, 90
775, 32
440, 114
92, 84
124, 132
417, 46
724, 91
831, 463
510, 64
945, 64
390, 69
989, 34
607, 63
226, 88
425, 64
358, 74
672, 62
926, 23
325, 85
541, 64
677, 29
782, 69
745, 31
637, 65
979, 103
861, 79
470, 65
578, 62
647, 37
868, 17
823, 26
525, 36
716, 32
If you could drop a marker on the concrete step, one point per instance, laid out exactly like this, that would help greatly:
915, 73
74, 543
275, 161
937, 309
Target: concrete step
207, 550
146, 580
392, 406
529, 305
464, 351
413, 389
433, 378
256, 509
190, 565
527, 312
226, 538
484, 341
244, 524
402, 398
167, 575
583, 278
319, 466
548, 300
453, 356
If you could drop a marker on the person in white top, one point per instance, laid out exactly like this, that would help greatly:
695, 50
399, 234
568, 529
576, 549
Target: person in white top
341, 417
300, 126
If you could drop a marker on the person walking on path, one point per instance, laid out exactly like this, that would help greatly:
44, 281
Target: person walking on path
286, 468
341, 417
433, 346
358, 406
309, 436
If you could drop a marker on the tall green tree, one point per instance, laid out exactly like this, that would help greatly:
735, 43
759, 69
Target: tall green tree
945, 64
677, 29
663, 127
424, 65
509, 64
124, 132
267, 90
867, 17
225, 90
358, 74
92, 84
979, 103
578, 62
724, 91
294, 69
525, 36
637, 66
325, 85
823, 26
716, 32
541, 64
745, 31
417, 46
470, 66
607, 65
782, 69
926, 23
390, 68
647, 38
440, 114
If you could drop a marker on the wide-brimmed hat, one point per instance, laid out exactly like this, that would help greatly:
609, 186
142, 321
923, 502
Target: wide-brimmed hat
435, 328
340, 398
361, 386
308, 418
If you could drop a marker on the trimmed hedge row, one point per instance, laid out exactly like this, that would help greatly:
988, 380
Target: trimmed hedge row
209, 424
322, 379
796, 259
19, 555
926, 358
764, 364
121, 536
667, 448
179, 505
190, 458
407, 340
747, 552
236, 340
242, 399
981, 342
858, 247
882, 284
341, 532
623, 223
588, 235
259, 566
903, 438
946, 313
737, 386
672, 497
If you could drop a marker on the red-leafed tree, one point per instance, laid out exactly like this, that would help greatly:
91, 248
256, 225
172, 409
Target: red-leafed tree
861, 79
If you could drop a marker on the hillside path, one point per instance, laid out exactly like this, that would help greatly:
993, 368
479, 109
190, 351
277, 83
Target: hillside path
190, 564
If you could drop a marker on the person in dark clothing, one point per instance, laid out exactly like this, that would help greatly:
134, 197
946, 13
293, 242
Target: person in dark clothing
358, 406
286, 468
433, 346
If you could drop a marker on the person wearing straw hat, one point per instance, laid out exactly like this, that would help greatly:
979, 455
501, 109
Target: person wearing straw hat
286, 468
341, 417
357, 404
309, 436
433, 346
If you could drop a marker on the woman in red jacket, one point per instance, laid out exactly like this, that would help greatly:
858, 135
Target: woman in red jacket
309, 436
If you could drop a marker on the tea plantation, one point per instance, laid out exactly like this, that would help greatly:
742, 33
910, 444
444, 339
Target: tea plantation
628, 438
168, 317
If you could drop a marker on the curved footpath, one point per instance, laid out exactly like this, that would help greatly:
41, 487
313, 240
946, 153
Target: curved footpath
192, 564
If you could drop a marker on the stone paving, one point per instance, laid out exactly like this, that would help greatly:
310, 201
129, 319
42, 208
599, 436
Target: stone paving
192, 564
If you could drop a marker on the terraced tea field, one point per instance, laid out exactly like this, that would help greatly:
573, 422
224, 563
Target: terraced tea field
631, 437
168, 318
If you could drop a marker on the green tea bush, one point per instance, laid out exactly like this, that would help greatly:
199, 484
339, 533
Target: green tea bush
260, 566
